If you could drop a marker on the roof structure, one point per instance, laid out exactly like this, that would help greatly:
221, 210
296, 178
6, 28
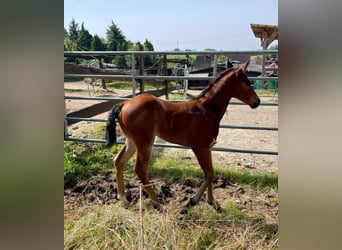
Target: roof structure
266, 33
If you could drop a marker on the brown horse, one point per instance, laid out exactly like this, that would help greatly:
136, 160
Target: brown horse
194, 124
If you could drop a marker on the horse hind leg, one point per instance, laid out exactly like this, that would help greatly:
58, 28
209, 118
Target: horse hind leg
120, 161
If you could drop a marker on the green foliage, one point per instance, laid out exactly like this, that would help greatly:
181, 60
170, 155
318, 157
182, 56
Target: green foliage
83, 160
84, 39
97, 44
273, 47
116, 41
149, 60
73, 30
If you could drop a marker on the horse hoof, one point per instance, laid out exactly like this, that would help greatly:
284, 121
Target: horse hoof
190, 203
151, 203
185, 209
216, 206
124, 203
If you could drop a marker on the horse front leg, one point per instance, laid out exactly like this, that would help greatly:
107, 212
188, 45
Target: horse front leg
203, 156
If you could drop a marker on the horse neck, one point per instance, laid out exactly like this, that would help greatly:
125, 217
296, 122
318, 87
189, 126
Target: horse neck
218, 97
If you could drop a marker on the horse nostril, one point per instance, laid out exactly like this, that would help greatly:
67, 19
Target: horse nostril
256, 103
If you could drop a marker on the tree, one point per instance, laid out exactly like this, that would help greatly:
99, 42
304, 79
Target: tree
97, 44
149, 60
73, 30
84, 39
273, 47
70, 41
116, 41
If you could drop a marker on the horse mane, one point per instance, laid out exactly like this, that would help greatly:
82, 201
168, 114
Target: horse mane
209, 87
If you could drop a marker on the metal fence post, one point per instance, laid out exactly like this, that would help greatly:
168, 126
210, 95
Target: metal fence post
133, 74
215, 66
65, 122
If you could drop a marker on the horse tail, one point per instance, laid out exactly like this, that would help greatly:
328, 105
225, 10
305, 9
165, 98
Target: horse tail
111, 125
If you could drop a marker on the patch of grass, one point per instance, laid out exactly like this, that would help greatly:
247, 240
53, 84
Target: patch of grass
175, 96
249, 178
114, 227
266, 92
128, 85
181, 168
83, 160
75, 90
175, 169
73, 79
119, 85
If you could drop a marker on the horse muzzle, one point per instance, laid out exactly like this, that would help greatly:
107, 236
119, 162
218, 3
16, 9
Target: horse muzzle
255, 103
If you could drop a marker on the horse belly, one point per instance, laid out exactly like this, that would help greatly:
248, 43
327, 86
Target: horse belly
187, 132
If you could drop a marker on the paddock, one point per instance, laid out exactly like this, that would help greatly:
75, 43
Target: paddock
247, 138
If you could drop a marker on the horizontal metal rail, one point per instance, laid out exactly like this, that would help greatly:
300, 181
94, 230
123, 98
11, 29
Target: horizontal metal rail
123, 99
250, 127
159, 77
113, 53
170, 145
96, 98
70, 118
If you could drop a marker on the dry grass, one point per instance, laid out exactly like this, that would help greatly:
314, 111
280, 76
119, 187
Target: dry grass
114, 227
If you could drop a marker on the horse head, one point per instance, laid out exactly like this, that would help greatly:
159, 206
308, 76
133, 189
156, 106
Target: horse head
242, 87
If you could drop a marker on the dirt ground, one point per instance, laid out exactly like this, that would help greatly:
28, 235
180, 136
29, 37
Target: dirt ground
103, 190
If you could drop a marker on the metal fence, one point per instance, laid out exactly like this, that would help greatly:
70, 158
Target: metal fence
134, 76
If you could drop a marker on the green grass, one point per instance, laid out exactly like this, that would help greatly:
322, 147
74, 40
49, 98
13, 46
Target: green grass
75, 90
181, 169
83, 160
264, 92
249, 178
128, 85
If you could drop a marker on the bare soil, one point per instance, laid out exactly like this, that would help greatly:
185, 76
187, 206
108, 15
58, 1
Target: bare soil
103, 190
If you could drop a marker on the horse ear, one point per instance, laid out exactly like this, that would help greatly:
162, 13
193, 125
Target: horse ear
245, 66
242, 68
229, 64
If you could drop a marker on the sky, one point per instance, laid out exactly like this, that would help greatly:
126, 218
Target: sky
183, 24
